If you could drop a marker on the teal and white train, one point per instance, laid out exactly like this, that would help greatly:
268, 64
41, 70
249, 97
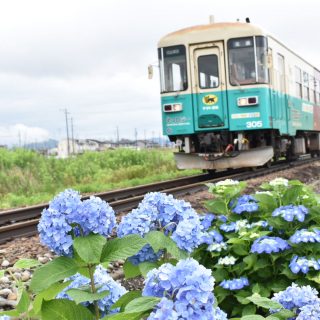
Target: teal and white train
234, 96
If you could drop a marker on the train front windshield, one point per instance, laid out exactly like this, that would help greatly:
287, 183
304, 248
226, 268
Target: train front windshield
173, 68
248, 60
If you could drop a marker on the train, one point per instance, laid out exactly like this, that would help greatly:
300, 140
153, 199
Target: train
233, 96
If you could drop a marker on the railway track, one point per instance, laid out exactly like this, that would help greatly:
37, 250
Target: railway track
23, 221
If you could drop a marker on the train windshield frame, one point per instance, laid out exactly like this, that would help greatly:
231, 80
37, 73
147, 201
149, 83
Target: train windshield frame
248, 61
173, 68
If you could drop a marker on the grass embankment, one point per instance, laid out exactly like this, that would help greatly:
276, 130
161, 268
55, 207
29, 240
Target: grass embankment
27, 177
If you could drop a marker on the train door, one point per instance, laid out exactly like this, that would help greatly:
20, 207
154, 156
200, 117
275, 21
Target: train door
279, 97
208, 83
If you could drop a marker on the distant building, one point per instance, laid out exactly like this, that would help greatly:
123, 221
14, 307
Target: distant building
78, 146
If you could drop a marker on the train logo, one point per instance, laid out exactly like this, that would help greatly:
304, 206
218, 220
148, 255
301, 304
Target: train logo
210, 99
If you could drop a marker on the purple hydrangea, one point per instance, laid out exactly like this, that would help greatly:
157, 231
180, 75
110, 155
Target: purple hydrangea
295, 297
235, 284
291, 212
67, 216
188, 286
305, 236
245, 203
103, 282
268, 245
303, 264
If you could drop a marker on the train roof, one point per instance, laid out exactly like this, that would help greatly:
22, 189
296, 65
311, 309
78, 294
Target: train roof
208, 32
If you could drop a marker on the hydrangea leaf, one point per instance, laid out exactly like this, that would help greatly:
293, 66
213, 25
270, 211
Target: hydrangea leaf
90, 247
250, 261
48, 294
158, 240
253, 317
142, 304
291, 195
266, 201
249, 309
122, 248
24, 302
79, 295
264, 302
26, 263
130, 270
65, 310
10, 313
145, 267
283, 314
216, 206
126, 316
54, 271
125, 299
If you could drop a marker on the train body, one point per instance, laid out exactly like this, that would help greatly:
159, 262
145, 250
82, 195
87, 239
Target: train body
234, 96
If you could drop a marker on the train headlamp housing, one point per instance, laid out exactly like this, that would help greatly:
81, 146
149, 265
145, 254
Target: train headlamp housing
174, 107
247, 101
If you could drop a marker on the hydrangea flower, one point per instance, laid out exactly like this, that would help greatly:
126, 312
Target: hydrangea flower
290, 212
95, 216
227, 261
235, 284
305, 236
268, 245
188, 286
303, 264
212, 236
260, 223
310, 311
145, 254
227, 182
5, 317
159, 211
279, 182
206, 220
235, 226
218, 247
67, 217
295, 297
245, 203
103, 282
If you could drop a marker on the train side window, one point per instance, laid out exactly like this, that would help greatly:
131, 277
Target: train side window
208, 71
305, 88
281, 73
298, 82
311, 87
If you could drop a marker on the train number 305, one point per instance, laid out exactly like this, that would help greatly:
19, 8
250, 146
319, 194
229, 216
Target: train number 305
254, 124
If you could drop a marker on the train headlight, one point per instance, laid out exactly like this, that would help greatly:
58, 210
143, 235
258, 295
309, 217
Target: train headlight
175, 107
247, 101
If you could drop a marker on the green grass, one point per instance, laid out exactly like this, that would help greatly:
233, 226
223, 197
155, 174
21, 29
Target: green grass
28, 178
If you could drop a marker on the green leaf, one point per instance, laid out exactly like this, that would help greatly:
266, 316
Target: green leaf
216, 206
89, 248
158, 240
249, 309
250, 261
126, 316
54, 271
79, 295
130, 270
26, 263
10, 313
122, 248
24, 302
48, 294
316, 278
253, 317
2, 272
63, 309
264, 302
125, 299
267, 202
142, 304
240, 250
291, 195
145, 267
283, 314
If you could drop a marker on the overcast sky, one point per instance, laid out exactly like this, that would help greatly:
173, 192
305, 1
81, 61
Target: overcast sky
91, 57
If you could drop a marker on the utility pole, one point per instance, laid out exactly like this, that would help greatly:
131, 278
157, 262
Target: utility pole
68, 143
136, 136
118, 136
72, 136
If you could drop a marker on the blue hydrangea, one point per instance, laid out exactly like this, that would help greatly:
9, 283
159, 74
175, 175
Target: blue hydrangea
206, 220
145, 254
95, 216
212, 237
5, 317
303, 264
235, 284
234, 226
310, 311
164, 311
295, 297
268, 245
67, 217
55, 232
188, 285
261, 223
245, 203
291, 212
103, 282
188, 234
305, 236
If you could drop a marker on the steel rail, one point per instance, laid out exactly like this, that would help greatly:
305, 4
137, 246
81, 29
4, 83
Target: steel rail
131, 199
